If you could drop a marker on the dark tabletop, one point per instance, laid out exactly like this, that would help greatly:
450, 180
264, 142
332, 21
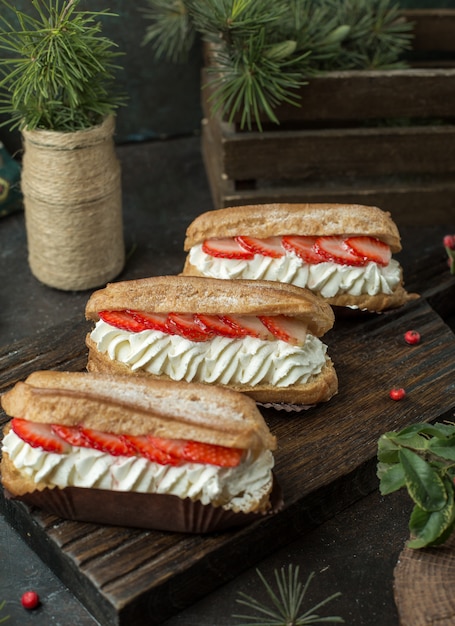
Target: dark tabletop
355, 553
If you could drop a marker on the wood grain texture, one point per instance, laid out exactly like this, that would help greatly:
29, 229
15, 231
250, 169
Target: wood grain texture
339, 152
424, 199
326, 460
423, 586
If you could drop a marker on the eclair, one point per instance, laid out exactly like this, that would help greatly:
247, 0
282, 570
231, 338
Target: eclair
341, 252
261, 338
137, 452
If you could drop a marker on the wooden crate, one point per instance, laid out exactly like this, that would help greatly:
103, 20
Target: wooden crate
375, 137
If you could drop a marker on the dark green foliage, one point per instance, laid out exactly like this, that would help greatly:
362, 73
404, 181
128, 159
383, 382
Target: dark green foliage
58, 71
421, 458
265, 50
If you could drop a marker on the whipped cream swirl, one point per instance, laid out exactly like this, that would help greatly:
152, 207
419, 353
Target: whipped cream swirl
329, 279
222, 360
233, 488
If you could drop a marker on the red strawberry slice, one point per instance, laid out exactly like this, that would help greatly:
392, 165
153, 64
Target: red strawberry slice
304, 248
39, 436
286, 328
247, 325
198, 452
124, 320
334, 249
370, 249
110, 443
187, 325
271, 246
153, 321
146, 448
71, 434
216, 325
226, 248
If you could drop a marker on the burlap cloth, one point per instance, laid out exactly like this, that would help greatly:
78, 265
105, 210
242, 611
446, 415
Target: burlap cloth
71, 184
424, 585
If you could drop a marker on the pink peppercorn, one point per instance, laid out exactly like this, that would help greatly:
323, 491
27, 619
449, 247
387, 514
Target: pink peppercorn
397, 393
412, 337
30, 600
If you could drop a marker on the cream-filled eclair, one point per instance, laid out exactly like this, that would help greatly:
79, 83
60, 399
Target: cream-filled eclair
340, 252
261, 338
80, 444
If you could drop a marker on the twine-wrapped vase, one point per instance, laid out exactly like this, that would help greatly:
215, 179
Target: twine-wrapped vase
71, 184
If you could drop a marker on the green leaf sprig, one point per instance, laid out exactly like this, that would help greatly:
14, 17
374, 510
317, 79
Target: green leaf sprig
421, 458
286, 604
58, 71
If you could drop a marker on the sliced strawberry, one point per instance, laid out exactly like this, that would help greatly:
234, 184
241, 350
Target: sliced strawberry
334, 249
271, 246
39, 436
71, 434
370, 249
247, 325
286, 328
226, 248
187, 325
216, 325
153, 321
198, 452
304, 248
146, 448
110, 443
124, 320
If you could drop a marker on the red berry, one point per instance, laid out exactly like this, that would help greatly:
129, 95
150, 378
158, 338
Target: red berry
412, 337
397, 393
30, 600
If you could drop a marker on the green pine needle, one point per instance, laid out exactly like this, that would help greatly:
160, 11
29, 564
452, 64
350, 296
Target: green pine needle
286, 603
58, 71
171, 33
5, 617
263, 51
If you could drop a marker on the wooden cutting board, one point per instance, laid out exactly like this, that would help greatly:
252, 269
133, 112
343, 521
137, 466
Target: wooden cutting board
326, 460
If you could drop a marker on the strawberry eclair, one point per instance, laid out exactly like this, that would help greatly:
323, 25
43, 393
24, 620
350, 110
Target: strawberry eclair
342, 253
258, 337
137, 452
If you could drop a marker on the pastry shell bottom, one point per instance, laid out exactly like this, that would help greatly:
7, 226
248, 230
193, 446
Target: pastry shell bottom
141, 510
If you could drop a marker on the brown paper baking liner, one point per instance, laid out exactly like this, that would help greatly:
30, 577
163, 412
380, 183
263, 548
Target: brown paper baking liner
142, 510
282, 406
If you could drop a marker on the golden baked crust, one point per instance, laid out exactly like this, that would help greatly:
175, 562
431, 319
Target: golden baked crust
129, 405
199, 294
374, 304
364, 302
268, 220
319, 388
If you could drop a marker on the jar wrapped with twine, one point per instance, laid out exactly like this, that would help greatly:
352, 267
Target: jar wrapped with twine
71, 184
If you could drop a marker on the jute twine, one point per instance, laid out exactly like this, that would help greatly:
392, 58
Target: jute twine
71, 184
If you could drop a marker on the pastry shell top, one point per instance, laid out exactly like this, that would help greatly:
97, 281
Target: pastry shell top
129, 405
213, 296
269, 220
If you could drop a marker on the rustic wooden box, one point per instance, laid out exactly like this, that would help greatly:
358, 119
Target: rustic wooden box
375, 137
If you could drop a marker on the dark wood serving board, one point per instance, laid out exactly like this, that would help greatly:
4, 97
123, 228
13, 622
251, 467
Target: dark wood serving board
325, 461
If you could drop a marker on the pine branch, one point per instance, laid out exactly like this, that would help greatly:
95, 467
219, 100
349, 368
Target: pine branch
171, 33
263, 51
286, 602
59, 71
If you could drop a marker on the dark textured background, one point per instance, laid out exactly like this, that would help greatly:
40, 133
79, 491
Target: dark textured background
164, 98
